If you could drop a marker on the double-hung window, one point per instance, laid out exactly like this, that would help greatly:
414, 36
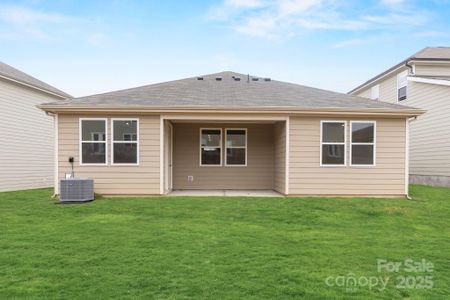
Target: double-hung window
332, 144
236, 147
363, 143
402, 86
210, 147
93, 141
125, 141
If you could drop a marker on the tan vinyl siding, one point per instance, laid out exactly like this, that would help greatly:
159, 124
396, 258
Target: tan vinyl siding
307, 177
258, 174
388, 88
126, 180
430, 133
365, 93
280, 157
433, 69
26, 139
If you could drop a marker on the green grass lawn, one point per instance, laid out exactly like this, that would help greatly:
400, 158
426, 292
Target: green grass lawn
220, 248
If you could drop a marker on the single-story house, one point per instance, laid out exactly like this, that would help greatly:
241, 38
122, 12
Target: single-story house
233, 131
26, 139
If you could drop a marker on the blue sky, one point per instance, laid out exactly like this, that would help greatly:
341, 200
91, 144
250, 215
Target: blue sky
86, 47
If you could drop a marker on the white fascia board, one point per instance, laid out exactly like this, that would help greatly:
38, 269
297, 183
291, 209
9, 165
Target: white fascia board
429, 80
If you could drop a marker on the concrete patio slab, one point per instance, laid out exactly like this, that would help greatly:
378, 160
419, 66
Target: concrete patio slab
229, 193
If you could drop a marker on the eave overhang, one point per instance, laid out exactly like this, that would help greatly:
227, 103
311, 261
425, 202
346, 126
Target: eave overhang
233, 110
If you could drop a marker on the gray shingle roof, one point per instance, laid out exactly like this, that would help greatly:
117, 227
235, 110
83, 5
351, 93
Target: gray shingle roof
251, 92
429, 53
14, 74
433, 53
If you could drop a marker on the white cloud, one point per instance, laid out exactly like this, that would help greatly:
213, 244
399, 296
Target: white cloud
260, 18
19, 22
260, 26
395, 18
329, 24
290, 7
21, 15
278, 19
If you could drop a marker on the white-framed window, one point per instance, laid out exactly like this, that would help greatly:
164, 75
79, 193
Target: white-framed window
375, 92
402, 86
332, 143
125, 141
93, 141
363, 143
236, 147
210, 146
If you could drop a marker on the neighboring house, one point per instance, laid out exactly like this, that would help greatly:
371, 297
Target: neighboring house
423, 81
26, 139
234, 131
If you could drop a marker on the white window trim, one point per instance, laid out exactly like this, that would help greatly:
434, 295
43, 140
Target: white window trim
137, 142
404, 73
201, 147
235, 147
334, 143
80, 141
374, 143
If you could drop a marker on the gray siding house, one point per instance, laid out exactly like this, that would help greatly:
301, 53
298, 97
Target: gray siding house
26, 139
423, 81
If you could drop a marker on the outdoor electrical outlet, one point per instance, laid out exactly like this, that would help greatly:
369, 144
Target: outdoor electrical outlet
190, 178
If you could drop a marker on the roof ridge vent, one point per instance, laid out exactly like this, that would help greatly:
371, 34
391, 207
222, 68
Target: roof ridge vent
218, 78
255, 78
199, 78
236, 78
267, 79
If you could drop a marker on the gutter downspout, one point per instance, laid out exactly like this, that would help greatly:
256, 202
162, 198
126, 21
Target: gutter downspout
408, 197
411, 71
411, 68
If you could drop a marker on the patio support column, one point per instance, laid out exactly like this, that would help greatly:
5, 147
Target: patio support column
55, 149
286, 184
161, 154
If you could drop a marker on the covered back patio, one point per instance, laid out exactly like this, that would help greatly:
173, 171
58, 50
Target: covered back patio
225, 156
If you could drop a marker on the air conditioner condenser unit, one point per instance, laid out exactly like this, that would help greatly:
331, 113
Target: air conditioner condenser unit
76, 190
